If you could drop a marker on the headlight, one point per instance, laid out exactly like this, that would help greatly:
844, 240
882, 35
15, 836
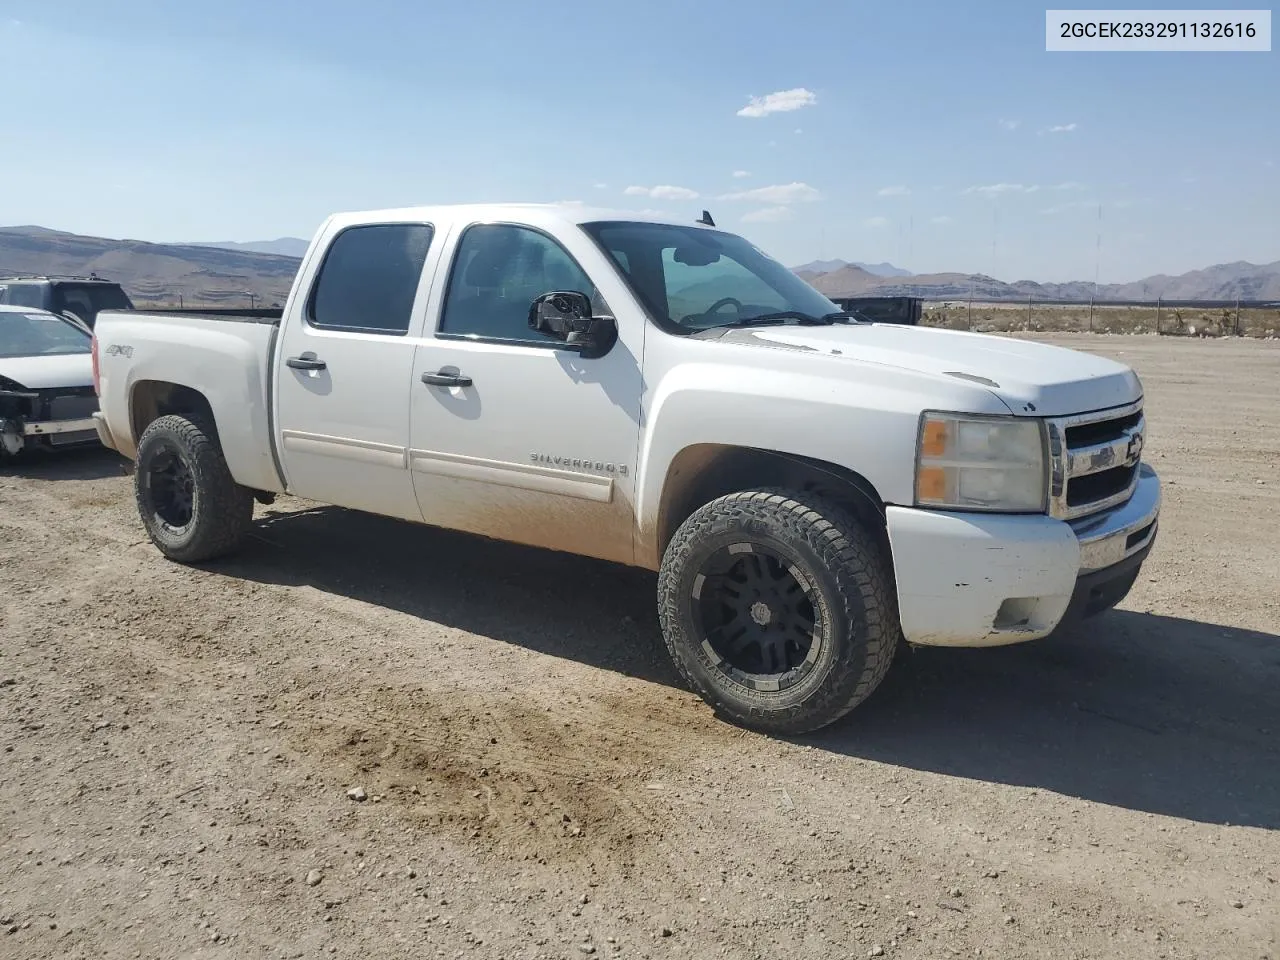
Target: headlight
981, 463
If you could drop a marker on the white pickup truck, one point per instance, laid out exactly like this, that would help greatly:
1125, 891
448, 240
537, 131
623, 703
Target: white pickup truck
812, 489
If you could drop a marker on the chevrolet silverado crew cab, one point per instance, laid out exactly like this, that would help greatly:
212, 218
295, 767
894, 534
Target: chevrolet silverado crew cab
811, 489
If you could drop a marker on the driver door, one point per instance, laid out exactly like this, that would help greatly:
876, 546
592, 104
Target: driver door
513, 435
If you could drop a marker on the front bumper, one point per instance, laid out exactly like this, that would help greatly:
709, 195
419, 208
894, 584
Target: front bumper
976, 580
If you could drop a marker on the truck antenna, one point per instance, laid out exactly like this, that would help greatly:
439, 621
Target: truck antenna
706, 218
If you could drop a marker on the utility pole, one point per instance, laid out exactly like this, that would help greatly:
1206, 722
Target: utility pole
1097, 255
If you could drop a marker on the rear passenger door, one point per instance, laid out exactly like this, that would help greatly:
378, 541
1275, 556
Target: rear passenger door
344, 369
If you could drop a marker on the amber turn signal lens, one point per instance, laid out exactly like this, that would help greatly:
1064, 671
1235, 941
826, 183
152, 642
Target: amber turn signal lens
931, 485
934, 443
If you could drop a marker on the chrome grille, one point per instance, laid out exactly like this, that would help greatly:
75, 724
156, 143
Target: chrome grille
1094, 460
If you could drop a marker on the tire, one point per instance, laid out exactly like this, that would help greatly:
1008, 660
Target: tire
753, 543
179, 464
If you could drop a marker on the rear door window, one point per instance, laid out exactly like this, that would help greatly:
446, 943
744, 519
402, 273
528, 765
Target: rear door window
369, 278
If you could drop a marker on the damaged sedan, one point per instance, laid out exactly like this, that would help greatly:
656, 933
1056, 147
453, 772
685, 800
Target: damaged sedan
47, 398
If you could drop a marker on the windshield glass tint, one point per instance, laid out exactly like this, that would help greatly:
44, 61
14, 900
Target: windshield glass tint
39, 335
692, 278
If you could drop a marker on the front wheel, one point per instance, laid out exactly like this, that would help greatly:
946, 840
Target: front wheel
190, 504
777, 607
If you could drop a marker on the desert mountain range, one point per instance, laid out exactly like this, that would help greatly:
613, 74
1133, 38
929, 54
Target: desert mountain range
228, 272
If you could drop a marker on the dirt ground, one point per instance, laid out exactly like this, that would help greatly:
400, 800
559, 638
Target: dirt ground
178, 744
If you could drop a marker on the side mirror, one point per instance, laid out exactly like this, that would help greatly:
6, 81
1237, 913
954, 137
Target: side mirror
566, 316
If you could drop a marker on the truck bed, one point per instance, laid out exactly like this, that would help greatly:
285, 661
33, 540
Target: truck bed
270, 316
225, 356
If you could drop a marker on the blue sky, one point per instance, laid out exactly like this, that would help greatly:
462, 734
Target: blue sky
935, 134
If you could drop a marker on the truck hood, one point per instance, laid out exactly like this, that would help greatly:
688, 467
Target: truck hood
1030, 378
41, 373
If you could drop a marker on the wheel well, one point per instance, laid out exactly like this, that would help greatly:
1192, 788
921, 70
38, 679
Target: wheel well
153, 399
701, 473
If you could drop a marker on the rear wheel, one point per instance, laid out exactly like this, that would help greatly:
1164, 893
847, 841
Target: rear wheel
777, 608
191, 506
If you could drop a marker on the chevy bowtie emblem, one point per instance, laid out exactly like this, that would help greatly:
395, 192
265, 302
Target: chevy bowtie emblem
1135, 449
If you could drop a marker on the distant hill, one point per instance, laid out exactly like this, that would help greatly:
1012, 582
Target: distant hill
830, 266
155, 273
212, 274
1226, 281
285, 246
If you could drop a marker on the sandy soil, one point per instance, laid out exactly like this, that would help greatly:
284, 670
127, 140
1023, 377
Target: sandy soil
178, 744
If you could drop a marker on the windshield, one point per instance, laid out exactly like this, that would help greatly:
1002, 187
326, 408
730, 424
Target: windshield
691, 278
39, 335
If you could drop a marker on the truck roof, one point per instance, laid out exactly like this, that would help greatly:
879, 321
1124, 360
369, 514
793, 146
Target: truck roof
546, 214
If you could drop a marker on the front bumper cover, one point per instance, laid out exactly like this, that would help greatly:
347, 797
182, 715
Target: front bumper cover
975, 580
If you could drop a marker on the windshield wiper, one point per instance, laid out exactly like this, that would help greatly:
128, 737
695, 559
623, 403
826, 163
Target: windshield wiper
804, 319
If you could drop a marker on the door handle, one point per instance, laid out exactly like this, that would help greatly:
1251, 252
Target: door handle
446, 380
305, 362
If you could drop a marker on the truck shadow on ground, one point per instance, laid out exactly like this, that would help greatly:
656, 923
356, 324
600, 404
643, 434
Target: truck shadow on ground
1146, 712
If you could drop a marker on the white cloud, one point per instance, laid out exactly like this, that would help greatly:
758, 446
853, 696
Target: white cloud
893, 192
602, 186
1063, 128
739, 174
773, 143
1069, 185
995, 189
777, 194
782, 101
662, 192
1009, 124
944, 219
876, 222
767, 215
673, 193
798, 131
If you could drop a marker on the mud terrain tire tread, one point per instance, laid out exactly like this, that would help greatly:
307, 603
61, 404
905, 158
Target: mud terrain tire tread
852, 574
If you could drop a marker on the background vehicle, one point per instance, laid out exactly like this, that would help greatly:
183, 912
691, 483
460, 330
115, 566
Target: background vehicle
77, 297
810, 488
46, 382
907, 310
